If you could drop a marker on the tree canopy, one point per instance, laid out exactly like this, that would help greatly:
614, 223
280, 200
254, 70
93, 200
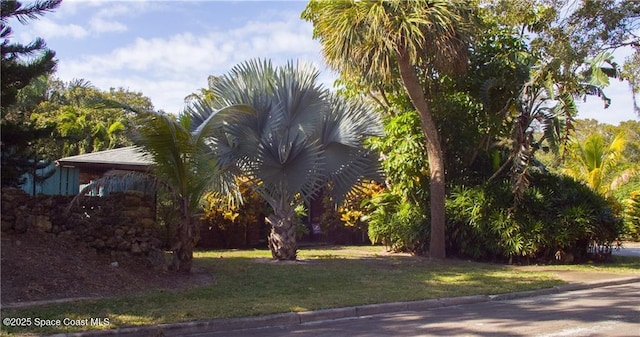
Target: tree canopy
20, 66
407, 42
526, 71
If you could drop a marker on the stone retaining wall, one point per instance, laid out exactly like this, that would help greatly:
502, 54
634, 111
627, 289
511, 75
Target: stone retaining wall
120, 223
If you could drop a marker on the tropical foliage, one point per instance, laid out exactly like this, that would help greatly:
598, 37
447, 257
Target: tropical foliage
399, 215
571, 60
516, 102
605, 158
297, 139
632, 215
81, 120
380, 43
559, 219
594, 161
485, 116
348, 223
183, 169
230, 220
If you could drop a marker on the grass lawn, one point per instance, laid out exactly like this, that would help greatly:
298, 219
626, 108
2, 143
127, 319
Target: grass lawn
248, 283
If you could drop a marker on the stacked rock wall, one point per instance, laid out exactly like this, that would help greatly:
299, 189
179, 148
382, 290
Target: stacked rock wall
118, 223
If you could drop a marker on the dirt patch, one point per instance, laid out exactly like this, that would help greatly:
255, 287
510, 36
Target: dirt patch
36, 266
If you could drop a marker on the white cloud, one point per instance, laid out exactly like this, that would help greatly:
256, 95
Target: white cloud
104, 19
167, 69
47, 29
91, 18
100, 25
118, 9
167, 95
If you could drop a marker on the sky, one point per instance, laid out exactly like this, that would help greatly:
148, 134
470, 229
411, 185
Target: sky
167, 49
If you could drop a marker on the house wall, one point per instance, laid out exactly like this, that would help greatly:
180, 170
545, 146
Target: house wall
64, 181
87, 175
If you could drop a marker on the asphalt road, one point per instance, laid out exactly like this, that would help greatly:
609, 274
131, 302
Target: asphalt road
628, 249
607, 311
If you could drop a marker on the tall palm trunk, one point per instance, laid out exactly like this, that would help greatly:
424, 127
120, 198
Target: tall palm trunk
434, 151
282, 239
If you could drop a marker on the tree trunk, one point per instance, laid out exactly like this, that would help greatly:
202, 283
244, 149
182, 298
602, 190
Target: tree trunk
282, 239
187, 236
434, 152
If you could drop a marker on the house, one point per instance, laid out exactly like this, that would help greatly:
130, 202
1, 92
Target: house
93, 166
73, 173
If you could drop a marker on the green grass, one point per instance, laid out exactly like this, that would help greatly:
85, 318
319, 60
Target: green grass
248, 283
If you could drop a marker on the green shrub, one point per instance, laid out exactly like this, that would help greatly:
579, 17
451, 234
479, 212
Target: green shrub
632, 216
225, 224
557, 219
397, 223
346, 223
399, 216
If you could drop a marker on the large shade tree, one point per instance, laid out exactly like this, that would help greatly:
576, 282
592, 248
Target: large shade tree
297, 139
380, 41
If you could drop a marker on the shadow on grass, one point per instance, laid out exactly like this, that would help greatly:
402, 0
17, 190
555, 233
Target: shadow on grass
325, 278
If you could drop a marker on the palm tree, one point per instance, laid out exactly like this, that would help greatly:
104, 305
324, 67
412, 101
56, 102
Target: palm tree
182, 168
547, 100
594, 161
297, 140
379, 39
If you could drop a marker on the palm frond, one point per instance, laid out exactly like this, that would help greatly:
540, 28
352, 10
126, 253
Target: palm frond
485, 90
117, 181
292, 164
294, 139
349, 122
180, 157
362, 38
300, 100
349, 168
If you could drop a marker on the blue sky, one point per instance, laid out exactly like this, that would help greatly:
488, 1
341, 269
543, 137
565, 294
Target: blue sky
167, 49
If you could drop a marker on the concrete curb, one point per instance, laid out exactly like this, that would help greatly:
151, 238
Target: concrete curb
296, 318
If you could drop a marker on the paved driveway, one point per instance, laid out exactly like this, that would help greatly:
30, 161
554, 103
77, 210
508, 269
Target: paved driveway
628, 249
